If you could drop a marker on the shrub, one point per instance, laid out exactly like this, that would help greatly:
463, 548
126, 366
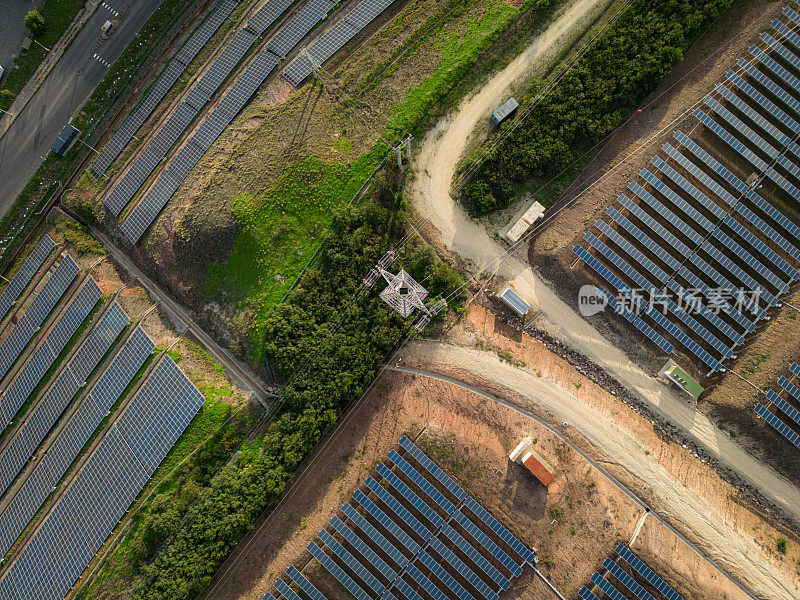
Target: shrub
602, 89
782, 545
35, 23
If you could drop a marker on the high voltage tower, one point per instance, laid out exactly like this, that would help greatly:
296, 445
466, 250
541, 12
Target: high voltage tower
403, 293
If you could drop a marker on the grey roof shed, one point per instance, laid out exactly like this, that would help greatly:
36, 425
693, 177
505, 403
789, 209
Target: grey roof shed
501, 113
65, 140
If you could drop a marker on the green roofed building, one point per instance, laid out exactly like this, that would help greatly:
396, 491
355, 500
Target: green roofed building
682, 379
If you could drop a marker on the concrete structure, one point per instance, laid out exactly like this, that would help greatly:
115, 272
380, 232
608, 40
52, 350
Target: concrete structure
65, 140
518, 228
514, 302
504, 111
526, 456
672, 372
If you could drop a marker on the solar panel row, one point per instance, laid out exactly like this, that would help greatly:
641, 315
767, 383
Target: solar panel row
433, 468
23, 276
335, 38
204, 33
267, 15
164, 83
789, 410
637, 322
303, 21
777, 424
42, 305
649, 575
40, 420
629, 582
102, 490
45, 355
72, 437
353, 562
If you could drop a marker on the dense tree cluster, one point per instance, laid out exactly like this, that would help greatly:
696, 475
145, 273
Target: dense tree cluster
327, 340
597, 95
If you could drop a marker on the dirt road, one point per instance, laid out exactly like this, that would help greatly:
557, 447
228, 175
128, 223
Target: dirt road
724, 545
430, 192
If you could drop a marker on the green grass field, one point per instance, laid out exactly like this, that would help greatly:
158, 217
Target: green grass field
282, 226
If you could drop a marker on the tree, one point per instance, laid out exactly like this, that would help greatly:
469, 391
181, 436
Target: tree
35, 23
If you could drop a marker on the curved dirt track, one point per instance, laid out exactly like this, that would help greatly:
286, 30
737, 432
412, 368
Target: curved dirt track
430, 191
737, 552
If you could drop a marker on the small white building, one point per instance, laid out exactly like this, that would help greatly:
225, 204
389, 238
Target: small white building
518, 228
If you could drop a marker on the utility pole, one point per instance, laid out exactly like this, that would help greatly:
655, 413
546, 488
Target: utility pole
406, 143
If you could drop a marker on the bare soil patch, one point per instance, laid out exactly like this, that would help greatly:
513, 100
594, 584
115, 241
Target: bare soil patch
574, 526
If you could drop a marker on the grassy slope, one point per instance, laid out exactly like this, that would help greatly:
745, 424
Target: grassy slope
282, 225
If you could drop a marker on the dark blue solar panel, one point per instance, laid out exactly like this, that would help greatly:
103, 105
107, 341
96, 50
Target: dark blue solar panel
768, 231
476, 557
795, 368
761, 247
445, 577
407, 590
354, 564
684, 207
423, 483
504, 534
286, 591
483, 539
386, 522
586, 594
661, 232
637, 322
779, 425
376, 536
25, 273
426, 583
267, 15
716, 298
464, 570
45, 355
44, 415
432, 468
161, 410
44, 303
750, 260
648, 574
644, 239
725, 284
769, 84
626, 580
362, 548
645, 284
608, 589
335, 570
735, 270
712, 207
204, 33
398, 509
409, 495
665, 212
790, 387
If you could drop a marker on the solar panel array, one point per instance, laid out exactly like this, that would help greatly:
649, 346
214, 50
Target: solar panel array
25, 273
35, 315
787, 407
335, 38
642, 584
20, 448
415, 526
46, 354
156, 198
707, 253
164, 83
267, 15
72, 437
104, 488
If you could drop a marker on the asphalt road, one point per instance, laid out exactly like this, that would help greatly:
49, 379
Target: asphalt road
69, 83
12, 30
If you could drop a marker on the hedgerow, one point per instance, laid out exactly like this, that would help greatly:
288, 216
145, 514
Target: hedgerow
598, 94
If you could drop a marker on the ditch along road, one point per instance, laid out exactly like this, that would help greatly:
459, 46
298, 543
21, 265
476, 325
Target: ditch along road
435, 166
735, 551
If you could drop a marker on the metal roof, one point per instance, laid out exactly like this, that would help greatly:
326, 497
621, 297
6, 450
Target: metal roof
516, 303
501, 113
64, 140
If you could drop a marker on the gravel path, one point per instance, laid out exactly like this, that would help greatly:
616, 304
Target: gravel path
430, 191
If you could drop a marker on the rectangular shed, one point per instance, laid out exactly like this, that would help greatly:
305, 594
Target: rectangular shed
65, 140
504, 111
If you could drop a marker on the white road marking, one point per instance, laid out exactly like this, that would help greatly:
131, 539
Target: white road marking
109, 9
